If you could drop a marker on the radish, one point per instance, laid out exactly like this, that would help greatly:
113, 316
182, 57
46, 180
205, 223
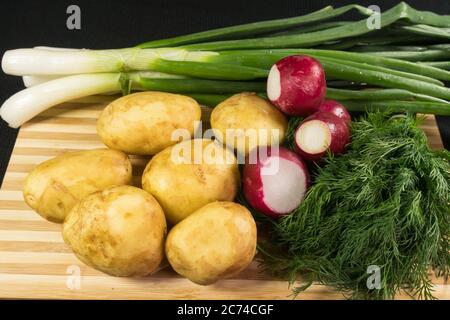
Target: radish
319, 133
337, 109
274, 183
296, 85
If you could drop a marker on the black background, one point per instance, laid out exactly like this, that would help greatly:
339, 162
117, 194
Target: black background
122, 23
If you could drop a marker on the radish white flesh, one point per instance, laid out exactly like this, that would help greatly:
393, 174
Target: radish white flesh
337, 109
296, 85
314, 137
319, 133
273, 84
276, 183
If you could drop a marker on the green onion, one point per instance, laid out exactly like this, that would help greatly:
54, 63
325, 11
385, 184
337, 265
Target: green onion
209, 70
356, 97
389, 48
414, 55
261, 58
400, 11
267, 59
383, 61
398, 106
347, 72
426, 30
441, 46
311, 28
254, 28
195, 85
438, 64
379, 94
384, 70
372, 40
210, 100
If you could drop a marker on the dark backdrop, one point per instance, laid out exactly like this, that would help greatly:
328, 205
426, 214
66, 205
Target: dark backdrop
122, 23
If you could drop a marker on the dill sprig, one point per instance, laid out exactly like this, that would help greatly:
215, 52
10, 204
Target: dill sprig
385, 202
292, 126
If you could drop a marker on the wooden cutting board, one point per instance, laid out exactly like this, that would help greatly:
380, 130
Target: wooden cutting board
35, 262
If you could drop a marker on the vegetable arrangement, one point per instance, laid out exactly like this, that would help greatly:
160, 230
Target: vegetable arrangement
337, 196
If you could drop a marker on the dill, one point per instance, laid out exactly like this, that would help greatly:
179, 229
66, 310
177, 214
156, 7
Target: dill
292, 126
386, 202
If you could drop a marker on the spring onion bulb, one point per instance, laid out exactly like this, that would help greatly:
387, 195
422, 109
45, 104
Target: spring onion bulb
30, 81
40, 61
29, 102
55, 48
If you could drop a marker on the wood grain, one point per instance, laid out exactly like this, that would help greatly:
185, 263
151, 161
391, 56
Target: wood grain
35, 262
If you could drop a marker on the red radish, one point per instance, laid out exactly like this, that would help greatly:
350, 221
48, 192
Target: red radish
337, 109
275, 182
319, 133
296, 85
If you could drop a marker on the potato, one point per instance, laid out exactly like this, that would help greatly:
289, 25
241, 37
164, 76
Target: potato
120, 231
215, 242
56, 185
249, 113
182, 185
143, 123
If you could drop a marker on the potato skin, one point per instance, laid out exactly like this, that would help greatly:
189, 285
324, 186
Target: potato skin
247, 111
56, 185
120, 231
182, 188
142, 123
215, 242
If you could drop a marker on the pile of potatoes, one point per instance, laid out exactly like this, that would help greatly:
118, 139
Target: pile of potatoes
121, 229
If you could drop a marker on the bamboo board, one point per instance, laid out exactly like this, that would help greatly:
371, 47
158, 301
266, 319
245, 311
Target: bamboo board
35, 263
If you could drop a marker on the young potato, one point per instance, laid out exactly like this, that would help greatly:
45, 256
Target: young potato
256, 118
143, 123
55, 186
183, 178
120, 231
215, 242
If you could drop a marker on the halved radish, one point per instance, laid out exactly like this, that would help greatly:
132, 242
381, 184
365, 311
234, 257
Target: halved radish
337, 109
319, 133
296, 85
275, 182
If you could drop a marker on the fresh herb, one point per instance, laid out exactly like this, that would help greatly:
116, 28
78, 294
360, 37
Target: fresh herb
384, 203
293, 124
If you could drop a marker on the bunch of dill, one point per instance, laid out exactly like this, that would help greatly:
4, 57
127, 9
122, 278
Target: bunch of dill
384, 203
